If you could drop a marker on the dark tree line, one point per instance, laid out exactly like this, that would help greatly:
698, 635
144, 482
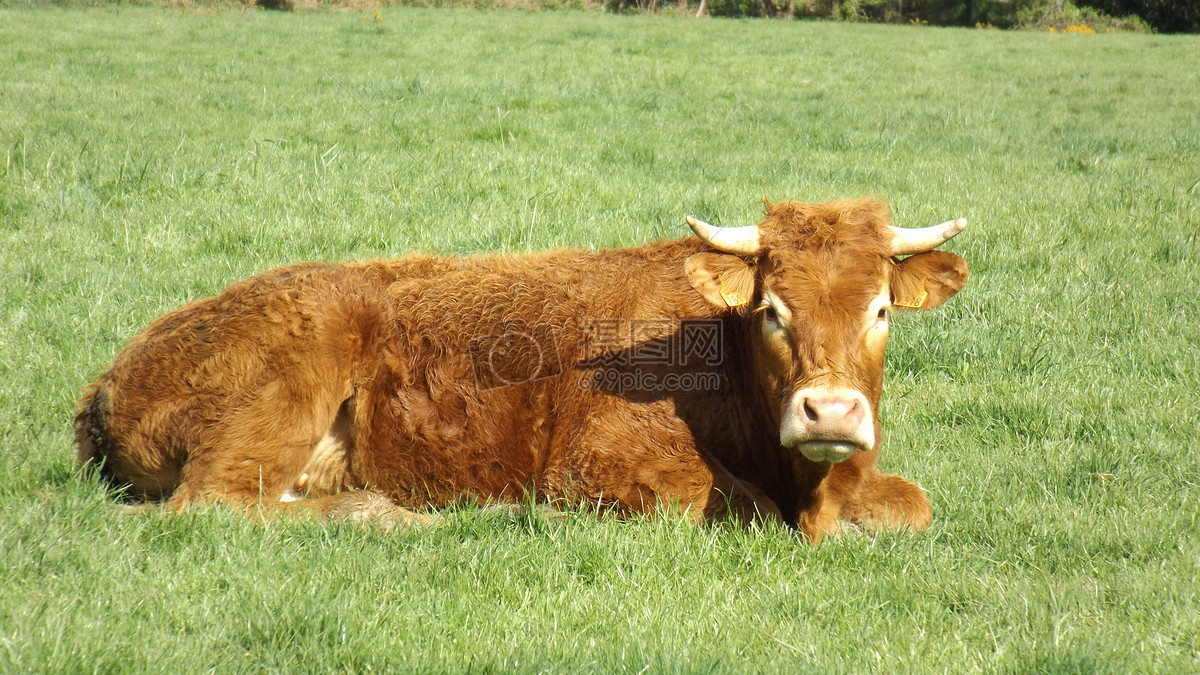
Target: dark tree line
1164, 16
1167, 16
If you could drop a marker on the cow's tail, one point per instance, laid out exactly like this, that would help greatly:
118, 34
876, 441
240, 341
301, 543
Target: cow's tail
92, 440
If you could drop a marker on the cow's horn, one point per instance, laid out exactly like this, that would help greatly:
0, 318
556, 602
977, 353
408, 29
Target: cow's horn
739, 240
906, 241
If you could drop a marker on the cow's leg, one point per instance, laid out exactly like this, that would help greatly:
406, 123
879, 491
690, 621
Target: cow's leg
266, 440
359, 506
832, 499
367, 507
822, 516
855, 493
271, 476
683, 485
886, 501
740, 500
321, 487
277, 480
248, 477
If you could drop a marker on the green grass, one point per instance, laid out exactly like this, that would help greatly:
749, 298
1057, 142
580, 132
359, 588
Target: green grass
148, 157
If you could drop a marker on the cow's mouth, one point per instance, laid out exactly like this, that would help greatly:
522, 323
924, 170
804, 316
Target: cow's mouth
827, 451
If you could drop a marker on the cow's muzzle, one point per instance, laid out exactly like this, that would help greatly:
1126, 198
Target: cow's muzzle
828, 424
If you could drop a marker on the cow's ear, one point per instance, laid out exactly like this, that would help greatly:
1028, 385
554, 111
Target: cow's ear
926, 280
725, 280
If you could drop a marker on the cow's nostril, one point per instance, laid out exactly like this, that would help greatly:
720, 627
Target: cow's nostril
831, 412
856, 411
809, 413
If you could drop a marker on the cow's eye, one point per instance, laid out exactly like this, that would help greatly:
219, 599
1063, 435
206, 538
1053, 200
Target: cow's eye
882, 313
771, 314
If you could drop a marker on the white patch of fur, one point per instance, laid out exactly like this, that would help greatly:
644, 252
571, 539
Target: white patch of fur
828, 442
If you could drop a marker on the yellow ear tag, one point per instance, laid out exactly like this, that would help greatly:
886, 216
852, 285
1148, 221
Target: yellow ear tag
904, 302
733, 298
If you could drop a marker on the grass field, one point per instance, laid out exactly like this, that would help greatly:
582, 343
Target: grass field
148, 157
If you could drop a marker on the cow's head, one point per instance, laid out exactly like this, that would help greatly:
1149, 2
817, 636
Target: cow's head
817, 282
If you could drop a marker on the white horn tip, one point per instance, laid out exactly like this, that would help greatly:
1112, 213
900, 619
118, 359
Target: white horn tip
950, 228
705, 231
907, 241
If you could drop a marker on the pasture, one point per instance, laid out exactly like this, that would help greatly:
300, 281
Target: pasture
149, 157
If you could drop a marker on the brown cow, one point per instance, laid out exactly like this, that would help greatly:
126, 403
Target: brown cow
738, 371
